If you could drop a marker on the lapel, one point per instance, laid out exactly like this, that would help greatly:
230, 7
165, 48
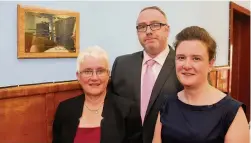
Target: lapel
73, 118
109, 118
109, 130
107, 110
162, 77
136, 77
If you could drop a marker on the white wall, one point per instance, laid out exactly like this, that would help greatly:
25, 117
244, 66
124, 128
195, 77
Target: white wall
108, 24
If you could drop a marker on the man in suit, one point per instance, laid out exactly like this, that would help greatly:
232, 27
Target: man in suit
133, 77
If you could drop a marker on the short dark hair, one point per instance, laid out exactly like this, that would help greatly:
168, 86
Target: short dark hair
197, 33
156, 8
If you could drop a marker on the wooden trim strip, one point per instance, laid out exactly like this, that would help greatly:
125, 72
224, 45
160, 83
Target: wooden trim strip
234, 6
29, 90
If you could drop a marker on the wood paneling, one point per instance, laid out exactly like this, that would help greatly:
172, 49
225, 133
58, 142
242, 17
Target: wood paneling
27, 112
219, 78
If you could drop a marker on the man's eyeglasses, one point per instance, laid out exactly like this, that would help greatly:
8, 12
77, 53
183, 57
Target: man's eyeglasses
89, 72
153, 27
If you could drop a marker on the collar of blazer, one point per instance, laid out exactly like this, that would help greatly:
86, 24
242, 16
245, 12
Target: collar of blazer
107, 104
171, 52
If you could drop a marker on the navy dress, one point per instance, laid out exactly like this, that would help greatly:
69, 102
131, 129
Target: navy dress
184, 123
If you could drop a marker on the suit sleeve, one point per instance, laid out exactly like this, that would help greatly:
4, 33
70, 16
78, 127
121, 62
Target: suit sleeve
179, 85
133, 125
110, 85
56, 131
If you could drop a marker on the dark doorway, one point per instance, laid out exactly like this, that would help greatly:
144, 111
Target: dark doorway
240, 54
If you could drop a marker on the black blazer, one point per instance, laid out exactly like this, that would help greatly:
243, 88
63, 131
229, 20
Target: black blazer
119, 123
126, 81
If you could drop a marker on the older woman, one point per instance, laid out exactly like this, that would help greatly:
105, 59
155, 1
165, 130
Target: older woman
200, 113
97, 116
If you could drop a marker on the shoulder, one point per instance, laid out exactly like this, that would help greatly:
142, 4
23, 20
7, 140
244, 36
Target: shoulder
171, 56
232, 105
225, 102
128, 57
236, 124
169, 99
70, 105
72, 101
230, 108
171, 50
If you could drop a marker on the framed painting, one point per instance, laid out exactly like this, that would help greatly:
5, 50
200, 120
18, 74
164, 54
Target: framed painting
47, 33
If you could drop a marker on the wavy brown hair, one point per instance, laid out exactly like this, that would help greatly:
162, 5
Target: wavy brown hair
200, 34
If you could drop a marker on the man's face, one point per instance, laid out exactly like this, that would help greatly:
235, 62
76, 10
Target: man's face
153, 41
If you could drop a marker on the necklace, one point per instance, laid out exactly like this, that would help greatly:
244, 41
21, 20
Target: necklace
94, 110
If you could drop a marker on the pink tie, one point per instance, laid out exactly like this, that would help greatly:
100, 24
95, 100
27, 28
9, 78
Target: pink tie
147, 86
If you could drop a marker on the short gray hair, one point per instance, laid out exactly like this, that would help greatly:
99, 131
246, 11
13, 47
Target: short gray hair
94, 51
155, 8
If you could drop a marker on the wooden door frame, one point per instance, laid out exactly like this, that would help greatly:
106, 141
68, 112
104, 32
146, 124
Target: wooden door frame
233, 10
233, 7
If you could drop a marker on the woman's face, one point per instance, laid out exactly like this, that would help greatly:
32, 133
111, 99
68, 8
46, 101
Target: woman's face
93, 75
192, 63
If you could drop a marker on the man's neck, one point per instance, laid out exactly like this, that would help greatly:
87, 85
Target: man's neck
156, 54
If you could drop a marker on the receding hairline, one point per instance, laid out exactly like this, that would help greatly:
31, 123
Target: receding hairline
154, 8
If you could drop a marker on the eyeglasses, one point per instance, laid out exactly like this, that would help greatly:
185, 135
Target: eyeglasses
153, 27
89, 73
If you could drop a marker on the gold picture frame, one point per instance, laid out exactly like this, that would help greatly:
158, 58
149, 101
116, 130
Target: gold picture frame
47, 33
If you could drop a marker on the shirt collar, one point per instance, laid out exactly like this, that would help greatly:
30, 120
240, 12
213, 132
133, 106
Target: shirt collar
160, 58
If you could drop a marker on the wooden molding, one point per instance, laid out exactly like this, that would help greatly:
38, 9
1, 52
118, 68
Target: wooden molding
219, 78
239, 8
216, 68
28, 90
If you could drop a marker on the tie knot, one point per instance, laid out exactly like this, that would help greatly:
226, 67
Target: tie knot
150, 62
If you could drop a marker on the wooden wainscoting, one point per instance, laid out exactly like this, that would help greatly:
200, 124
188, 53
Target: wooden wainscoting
220, 78
27, 112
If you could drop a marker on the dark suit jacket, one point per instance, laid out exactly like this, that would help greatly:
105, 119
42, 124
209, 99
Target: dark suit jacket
118, 125
126, 81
